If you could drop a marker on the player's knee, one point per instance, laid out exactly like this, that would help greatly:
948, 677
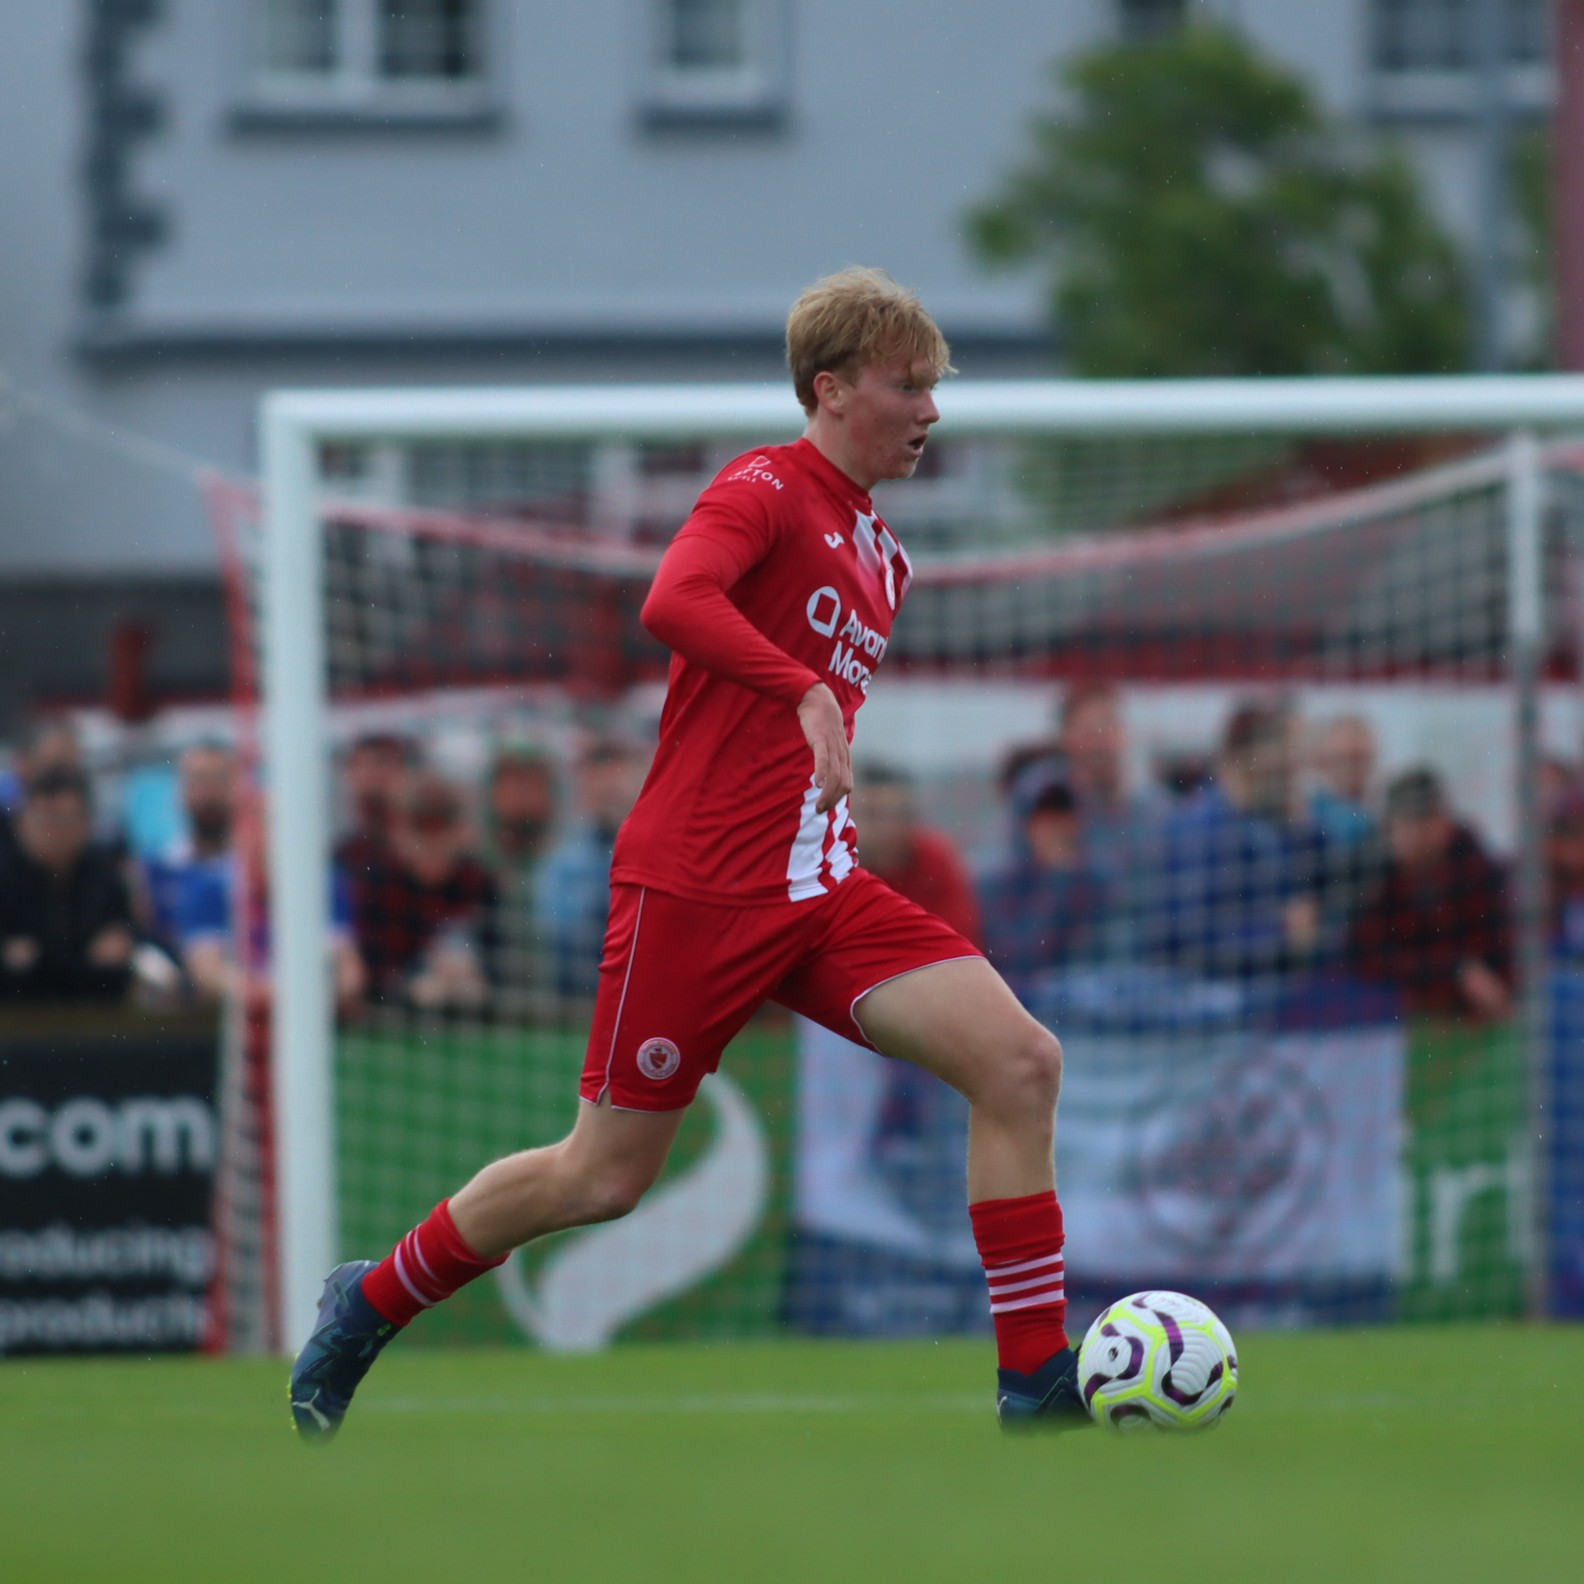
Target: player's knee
613, 1191
1032, 1074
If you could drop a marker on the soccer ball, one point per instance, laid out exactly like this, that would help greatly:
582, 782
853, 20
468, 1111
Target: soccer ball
1158, 1359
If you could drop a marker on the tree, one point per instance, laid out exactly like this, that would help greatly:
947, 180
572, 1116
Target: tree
1199, 216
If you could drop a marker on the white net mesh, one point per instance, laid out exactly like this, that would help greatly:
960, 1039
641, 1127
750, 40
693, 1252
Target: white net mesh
1224, 739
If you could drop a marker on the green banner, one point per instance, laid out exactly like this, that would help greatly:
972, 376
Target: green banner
1467, 1167
421, 1110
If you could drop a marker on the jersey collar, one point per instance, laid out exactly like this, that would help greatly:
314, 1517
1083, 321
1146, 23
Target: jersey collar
817, 463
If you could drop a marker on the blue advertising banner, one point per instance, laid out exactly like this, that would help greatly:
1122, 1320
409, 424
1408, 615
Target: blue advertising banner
1249, 1151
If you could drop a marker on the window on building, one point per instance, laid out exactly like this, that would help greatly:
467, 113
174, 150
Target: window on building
706, 36
433, 40
297, 38
350, 52
718, 56
1440, 35
1141, 21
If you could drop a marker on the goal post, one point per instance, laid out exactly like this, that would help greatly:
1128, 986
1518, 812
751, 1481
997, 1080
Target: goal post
298, 426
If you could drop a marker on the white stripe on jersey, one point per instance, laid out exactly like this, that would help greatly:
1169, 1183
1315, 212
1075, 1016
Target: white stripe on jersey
841, 859
808, 850
818, 844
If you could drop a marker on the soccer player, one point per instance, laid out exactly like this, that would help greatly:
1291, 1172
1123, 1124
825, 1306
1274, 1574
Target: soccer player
736, 880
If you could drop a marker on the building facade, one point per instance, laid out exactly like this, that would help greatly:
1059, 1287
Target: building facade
210, 198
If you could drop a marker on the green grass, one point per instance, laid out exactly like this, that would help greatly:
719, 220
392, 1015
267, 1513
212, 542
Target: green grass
1444, 1454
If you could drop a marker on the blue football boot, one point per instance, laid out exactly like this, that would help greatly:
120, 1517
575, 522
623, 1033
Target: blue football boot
346, 1339
1049, 1399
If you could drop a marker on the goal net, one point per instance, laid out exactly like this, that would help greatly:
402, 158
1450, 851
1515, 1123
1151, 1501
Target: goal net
1244, 736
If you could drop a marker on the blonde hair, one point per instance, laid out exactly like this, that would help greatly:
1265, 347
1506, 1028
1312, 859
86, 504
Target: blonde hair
858, 317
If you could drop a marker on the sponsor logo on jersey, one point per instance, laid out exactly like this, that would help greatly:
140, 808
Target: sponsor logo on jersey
658, 1059
756, 470
856, 640
824, 610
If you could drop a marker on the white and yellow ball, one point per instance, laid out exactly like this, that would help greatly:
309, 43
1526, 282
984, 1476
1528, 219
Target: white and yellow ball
1158, 1360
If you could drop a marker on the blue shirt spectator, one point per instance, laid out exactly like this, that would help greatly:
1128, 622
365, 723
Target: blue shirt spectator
205, 910
572, 886
572, 903
207, 776
1237, 892
1226, 878
1344, 767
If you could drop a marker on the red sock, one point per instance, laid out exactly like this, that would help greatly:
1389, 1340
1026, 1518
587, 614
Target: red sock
429, 1264
1020, 1242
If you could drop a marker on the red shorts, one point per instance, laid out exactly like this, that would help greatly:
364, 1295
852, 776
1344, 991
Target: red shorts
679, 979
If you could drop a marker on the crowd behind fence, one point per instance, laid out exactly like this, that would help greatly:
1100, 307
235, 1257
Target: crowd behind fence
1277, 851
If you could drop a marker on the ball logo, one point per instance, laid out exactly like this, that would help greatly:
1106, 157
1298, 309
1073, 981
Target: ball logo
658, 1059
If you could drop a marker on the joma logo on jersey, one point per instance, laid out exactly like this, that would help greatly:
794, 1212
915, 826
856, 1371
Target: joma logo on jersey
756, 470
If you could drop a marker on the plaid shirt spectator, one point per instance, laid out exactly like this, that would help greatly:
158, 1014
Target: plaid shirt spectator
398, 916
425, 910
1424, 925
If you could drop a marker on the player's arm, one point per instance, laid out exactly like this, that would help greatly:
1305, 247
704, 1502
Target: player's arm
688, 611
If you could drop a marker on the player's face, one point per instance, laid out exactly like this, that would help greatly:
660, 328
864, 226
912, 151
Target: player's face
889, 409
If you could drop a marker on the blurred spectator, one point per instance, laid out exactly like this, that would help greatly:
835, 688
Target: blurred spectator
1564, 858
1120, 824
1343, 766
1181, 775
65, 911
1094, 743
375, 776
225, 939
1560, 783
519, 812
208, 801
1043, 908
923, 864
51, 743
1437, 926
425, 907
1237, 895
519, 817
572, 894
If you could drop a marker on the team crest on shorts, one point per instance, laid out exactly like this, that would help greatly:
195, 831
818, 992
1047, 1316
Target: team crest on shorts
658, 1059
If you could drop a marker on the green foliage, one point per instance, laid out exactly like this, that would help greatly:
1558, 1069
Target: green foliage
1531, 175
1200, 217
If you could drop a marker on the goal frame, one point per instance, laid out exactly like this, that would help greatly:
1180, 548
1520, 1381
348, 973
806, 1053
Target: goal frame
294, 424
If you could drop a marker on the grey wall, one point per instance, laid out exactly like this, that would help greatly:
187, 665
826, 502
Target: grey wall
558, 237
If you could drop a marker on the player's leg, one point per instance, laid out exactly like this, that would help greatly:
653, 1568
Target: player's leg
887, 972
959, 1021
597, 1173
677, 981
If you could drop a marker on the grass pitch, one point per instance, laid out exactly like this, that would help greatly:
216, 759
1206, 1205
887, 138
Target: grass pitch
1445, 1454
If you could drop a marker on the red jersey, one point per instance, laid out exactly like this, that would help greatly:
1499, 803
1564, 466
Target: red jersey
783, 576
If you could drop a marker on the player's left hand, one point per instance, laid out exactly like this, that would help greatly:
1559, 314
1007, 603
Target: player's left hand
820, 717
